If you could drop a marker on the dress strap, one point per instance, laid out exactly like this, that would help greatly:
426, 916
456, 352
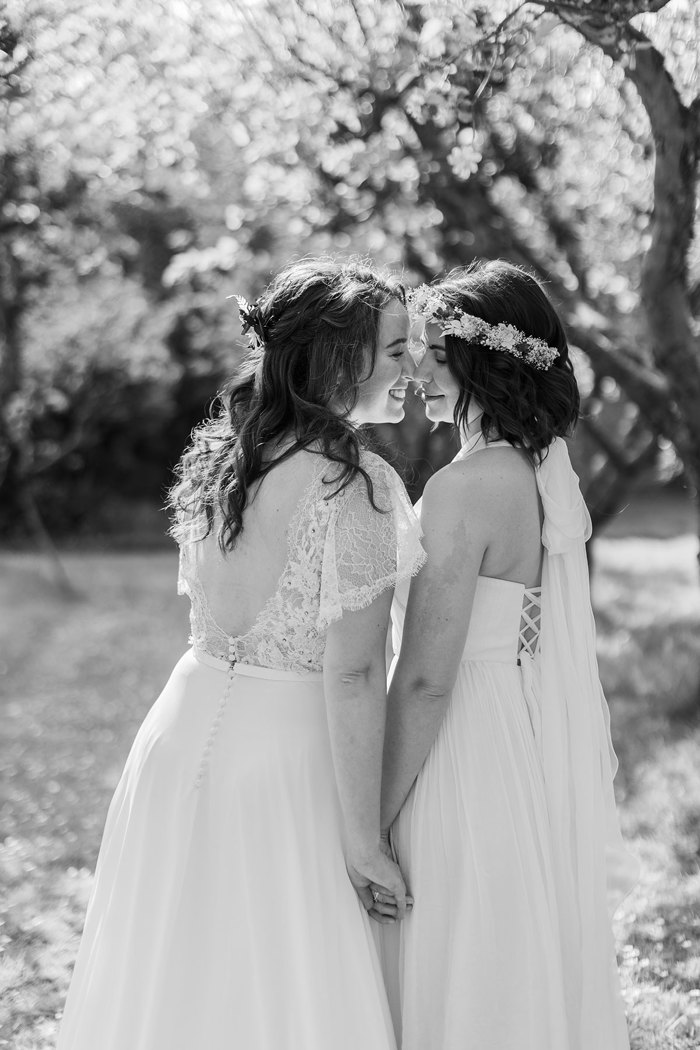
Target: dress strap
476, 444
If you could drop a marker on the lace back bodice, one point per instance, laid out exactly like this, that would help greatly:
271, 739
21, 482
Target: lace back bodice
341, 554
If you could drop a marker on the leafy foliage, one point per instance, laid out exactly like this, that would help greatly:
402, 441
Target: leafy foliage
175, 153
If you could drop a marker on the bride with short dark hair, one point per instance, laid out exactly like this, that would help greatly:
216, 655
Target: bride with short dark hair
498, 760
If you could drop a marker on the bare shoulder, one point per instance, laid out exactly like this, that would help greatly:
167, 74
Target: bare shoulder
481, 485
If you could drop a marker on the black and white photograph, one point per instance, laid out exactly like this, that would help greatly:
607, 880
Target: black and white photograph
349, 525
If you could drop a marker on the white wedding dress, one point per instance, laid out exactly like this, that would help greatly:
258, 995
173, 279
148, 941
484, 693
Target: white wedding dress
222, 915
509, 839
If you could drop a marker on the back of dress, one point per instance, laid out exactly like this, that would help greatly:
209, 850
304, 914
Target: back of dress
309, 550
509, 837
229, 796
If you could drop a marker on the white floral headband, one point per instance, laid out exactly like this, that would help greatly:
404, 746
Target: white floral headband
425, 303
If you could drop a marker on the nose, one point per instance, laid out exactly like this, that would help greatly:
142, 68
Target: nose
422, 372
408, 366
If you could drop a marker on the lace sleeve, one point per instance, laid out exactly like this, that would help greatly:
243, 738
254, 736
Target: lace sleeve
188, 533
366, 551
183, 586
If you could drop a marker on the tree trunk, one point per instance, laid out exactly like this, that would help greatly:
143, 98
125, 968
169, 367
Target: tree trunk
665, 290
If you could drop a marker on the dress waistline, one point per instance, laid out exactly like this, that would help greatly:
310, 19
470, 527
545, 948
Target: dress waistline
254, 671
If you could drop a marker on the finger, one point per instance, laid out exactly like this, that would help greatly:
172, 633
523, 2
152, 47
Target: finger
392, 878
396, 892
383, 920
382, 898
379, 893
389, 892
385, 909
365, 895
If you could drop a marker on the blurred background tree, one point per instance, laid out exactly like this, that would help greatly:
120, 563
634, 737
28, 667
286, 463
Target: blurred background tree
161, 155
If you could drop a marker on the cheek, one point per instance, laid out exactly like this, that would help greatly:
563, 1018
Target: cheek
450, 385
372, 388
385, 376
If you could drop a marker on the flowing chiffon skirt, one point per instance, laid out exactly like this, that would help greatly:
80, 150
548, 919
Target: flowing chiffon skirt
222, 915
478, 962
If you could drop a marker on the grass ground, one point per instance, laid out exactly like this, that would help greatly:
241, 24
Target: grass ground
76, 678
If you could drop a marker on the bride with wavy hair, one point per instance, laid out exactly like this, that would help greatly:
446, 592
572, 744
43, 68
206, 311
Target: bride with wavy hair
498, 761
222, 913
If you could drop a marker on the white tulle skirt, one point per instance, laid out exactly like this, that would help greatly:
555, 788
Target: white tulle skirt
478, 962
222, 915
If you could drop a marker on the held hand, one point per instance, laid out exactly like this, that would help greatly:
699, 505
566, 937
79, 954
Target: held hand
379, 885
379, 894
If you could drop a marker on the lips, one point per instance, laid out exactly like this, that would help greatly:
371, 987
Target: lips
398, 393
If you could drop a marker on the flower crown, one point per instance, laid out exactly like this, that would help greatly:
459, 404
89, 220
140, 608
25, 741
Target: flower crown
425, 302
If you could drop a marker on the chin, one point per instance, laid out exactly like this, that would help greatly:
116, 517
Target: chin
387, 417
437, 413
390, 415
394, 411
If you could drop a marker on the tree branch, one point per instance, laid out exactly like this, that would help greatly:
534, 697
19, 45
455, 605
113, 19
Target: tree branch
621, 458
676, 135
649, 390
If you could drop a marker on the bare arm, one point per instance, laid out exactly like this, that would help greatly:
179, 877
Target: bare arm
435, 630
354, 674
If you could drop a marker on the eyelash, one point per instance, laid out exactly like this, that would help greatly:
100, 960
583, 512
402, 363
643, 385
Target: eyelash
399, 353
440, 362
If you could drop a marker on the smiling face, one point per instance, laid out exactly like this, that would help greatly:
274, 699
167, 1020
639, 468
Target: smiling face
381, 396
437, 387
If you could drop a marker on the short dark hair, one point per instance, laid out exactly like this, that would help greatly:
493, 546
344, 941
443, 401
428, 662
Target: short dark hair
317, 325
527, 406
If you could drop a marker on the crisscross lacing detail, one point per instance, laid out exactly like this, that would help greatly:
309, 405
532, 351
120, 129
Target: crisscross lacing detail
530, 618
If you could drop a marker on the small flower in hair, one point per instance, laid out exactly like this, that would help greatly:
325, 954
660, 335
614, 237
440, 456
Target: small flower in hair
245, 309
510, 336
251, 322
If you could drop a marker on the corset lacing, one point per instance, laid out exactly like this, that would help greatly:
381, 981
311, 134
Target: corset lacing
530, 620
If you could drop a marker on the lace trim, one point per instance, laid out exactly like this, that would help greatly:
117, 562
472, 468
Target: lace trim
367, 553
364, 596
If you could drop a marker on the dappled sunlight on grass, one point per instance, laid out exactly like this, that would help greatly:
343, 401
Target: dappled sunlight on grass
76, 679
647, 601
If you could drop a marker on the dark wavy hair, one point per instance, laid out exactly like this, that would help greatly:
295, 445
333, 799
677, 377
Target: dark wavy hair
315, 340
524, 405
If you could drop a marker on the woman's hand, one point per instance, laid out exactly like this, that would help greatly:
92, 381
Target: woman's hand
380, 886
